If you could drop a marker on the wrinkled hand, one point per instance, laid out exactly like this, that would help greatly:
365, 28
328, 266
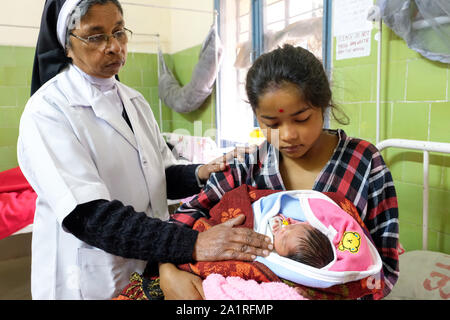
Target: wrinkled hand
178, 284
220, 163
223, 242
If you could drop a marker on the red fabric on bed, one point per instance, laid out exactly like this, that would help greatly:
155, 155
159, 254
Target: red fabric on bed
17, 202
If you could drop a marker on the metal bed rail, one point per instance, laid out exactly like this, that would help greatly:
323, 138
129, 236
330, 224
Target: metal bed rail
426, 147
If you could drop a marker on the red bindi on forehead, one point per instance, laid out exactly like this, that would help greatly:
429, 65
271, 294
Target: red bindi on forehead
280, 110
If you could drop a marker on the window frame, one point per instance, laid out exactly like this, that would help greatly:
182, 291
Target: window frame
257, 36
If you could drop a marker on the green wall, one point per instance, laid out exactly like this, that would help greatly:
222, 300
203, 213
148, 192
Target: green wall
15, 81
200, 120
415, 105
140, 72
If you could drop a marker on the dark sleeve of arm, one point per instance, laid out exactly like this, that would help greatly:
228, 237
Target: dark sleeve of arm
120, 230
200, 205
181, 181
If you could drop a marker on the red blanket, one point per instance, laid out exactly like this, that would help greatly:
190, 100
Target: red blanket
238, 201
17, 202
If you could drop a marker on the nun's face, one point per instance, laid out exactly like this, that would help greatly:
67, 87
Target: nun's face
96, 59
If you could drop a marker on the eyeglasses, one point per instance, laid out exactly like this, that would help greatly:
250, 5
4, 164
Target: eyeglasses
102, 40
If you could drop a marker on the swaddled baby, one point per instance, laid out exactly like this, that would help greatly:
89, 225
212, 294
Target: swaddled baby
299, 241
317, 244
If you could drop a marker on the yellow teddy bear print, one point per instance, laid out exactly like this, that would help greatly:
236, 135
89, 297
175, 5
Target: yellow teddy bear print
350, 241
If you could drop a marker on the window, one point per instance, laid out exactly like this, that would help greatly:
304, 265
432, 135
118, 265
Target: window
234, 115
283, 21
296, 22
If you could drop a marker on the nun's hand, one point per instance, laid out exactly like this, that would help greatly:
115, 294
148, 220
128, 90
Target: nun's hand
221, 163
223, 242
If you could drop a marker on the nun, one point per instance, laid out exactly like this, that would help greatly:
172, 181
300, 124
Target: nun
91, 149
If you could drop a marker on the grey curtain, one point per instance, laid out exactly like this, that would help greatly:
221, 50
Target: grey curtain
191, 96
423, 24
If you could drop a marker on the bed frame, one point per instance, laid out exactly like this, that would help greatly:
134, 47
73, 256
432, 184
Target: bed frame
424, 274
426, 147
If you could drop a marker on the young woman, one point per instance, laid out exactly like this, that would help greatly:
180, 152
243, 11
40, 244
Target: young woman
289, 93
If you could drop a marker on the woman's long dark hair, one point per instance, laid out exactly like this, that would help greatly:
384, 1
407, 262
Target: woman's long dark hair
296, 65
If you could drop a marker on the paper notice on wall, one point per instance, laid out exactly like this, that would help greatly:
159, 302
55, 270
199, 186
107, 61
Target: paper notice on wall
351, 28
353, 45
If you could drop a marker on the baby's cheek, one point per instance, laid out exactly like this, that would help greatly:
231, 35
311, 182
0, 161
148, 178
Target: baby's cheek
278, 247
275, 247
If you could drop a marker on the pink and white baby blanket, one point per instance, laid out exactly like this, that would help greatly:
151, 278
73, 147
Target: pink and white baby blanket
355, 256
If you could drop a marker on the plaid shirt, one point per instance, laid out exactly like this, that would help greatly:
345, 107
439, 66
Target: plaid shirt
356, 170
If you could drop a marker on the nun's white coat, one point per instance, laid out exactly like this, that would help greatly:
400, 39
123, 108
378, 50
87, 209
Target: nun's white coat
74, 147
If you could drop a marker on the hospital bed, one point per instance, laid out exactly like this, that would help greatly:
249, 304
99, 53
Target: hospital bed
424, 274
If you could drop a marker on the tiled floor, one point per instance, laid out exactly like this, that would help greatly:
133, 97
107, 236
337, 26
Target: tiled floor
15, 267
15, 279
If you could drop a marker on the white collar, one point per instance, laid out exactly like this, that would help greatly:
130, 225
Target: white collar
103, 84
80, 92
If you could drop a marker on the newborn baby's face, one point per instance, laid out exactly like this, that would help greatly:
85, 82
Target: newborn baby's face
286, 237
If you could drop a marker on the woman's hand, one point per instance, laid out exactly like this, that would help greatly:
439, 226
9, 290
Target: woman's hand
179, 285
220, 163
223, 242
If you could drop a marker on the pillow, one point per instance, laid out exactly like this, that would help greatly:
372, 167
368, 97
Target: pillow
424, 275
